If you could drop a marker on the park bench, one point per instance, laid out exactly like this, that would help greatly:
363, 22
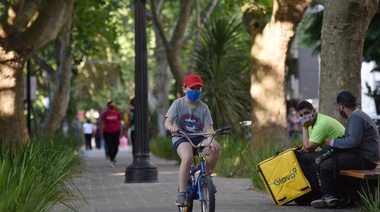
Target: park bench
368, 181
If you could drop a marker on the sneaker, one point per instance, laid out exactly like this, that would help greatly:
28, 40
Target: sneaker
332, 201
181, 199
319, 203
112, 164
345, 201
326, 201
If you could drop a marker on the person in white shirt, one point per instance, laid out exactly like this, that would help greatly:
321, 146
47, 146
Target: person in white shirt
88, 130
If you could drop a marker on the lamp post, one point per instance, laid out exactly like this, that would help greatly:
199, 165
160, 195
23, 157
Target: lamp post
141, 170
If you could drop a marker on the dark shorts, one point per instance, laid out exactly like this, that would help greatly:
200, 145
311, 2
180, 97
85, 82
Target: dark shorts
195, 141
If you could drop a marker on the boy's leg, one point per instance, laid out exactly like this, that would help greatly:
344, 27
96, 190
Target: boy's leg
185, 152
213, 156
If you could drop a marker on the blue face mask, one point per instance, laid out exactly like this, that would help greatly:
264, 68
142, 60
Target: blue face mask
303, 119
193, 95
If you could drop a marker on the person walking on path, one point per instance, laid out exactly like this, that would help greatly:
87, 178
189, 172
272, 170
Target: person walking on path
98, 137
111, 130
88, 130
357, 149
191, 115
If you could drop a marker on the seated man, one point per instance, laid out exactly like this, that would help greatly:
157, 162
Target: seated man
358, 149
315, 128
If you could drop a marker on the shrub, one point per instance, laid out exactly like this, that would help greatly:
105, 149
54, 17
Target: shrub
252, 158
370, 202
162, 147
231, 162
37, 175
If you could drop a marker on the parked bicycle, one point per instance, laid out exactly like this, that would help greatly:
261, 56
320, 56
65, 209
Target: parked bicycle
201, 187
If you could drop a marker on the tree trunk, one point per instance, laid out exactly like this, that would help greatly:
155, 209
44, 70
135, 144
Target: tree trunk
345, 23
162, 92
162, 89
58, 107
25, 26
173, 47
268, 55
12, 118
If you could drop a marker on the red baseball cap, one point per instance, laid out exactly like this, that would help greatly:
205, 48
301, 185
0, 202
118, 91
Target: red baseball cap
192, 80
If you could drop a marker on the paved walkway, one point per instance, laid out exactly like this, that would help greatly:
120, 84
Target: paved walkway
104, 189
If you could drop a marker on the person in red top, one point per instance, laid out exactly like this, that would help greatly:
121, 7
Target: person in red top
111, 127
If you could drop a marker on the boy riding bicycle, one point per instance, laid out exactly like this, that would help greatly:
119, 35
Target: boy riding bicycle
191, 115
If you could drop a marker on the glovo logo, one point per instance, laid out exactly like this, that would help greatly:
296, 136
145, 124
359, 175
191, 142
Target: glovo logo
282, 180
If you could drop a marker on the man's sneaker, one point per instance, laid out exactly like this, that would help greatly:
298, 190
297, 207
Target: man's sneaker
318, 203
332, 201
112, 164
181, 199
326, 201
345, 201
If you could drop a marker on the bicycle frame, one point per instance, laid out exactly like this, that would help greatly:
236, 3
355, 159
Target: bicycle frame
195, 187
196, 181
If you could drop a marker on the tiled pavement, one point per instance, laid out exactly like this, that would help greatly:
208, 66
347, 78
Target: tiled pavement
103, 189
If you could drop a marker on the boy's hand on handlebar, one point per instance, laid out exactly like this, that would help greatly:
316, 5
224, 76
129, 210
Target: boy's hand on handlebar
173, 129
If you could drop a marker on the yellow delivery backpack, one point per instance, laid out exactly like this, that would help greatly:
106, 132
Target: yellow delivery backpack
283, 177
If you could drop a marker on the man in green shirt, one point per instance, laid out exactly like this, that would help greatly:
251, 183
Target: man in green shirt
315, 128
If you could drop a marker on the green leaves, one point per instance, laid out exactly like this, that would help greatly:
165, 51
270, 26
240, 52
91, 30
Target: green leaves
222, 61
37, 175
310, 30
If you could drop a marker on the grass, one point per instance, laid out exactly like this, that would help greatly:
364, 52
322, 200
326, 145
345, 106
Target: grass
38, 175
162, 147
370, 202
252, 158
237, 158
231, 162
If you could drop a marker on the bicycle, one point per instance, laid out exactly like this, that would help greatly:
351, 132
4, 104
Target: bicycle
202, 187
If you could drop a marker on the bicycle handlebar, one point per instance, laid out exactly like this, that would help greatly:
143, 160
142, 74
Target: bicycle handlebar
220, 131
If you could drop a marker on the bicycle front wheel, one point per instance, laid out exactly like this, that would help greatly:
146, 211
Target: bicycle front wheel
208, 194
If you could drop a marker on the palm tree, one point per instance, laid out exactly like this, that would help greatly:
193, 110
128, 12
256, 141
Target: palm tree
222, 60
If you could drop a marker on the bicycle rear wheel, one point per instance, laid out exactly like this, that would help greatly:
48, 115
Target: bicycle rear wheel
208, 194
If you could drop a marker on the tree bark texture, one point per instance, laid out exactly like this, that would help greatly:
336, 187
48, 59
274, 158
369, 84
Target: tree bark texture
173, 46
58, 106
268, 55
345, 23
24, 27
161, 91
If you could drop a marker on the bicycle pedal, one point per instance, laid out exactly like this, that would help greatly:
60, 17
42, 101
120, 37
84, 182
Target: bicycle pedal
182, 205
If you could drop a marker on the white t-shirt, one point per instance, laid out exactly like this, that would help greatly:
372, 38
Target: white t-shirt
88, 128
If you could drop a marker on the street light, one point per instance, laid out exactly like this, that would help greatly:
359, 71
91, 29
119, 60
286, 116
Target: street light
141, 170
